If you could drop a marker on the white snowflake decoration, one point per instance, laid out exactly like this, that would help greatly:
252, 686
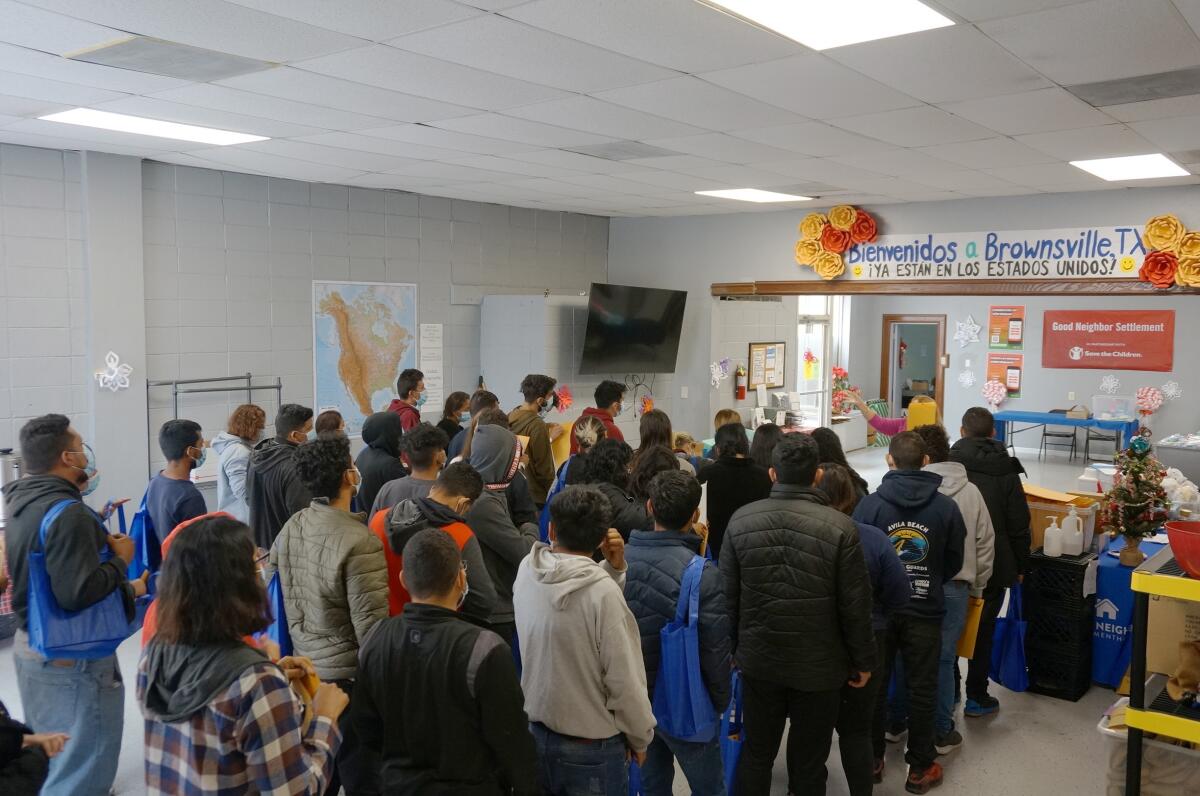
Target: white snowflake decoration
967, 378
1110, 384
966, 332
718, 371
115, 376
1171, 390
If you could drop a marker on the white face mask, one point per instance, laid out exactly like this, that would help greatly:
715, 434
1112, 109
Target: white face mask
621, 409
463, 597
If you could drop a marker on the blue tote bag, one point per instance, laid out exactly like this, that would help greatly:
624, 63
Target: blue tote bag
54, 632
560, 483
141, 603
733, 735
681, 702
278, 629
147, 547
1008, 646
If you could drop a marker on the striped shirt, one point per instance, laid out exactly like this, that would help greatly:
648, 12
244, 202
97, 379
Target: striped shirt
246, 740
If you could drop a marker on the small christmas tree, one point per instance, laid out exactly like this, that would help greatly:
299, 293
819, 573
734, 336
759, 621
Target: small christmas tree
1135, 507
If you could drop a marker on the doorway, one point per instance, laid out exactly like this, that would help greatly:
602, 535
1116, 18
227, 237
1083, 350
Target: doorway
912, 358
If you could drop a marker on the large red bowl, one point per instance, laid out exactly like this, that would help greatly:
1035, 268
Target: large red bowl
1185, 544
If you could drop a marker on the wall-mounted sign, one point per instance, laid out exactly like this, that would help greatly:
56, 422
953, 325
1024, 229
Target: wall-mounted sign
1006, 327
1083, 253
1109, 339
766, 365
1006, 369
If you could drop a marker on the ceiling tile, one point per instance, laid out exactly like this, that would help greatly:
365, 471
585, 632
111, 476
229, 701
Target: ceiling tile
427, 136
895, 162
226, 98
53, 90
1100, 40
99, 139
347, 95
505, 47
742, 176
1155, 109
1169, 135
401, 182
974, 65
1028, 112
243, 159
621, 183
376, 20
49, 32
813, 138
46, 65
383, 146
1111, 140
449, 172
681, 163
155, 108
1047, 174
811, 85
422, 76
668, 179
980, 10
25, 106
823, 170
492, 5
327, 155
988, 153
694, 101
570, 160
920, 126
593, 115
508, 165
697, 38
522, 131
718, 146
966, 181
10, 134
213, 24
1191, 12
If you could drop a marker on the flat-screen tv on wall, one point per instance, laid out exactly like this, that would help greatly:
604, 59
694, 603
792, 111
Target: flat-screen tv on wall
632, 330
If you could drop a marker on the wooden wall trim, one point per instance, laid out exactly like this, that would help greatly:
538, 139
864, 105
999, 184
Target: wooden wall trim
933, 287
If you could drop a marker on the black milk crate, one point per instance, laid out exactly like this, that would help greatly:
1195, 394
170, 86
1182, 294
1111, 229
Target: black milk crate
1058, 581
1057, 672
1055, 626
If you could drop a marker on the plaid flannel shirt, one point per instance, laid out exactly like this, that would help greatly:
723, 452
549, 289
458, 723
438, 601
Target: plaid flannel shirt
247, 740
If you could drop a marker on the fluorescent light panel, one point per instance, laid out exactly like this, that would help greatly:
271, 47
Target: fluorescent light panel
754, 195
1134, 167
824, 24
123, 123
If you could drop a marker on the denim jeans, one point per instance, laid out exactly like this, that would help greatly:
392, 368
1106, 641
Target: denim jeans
769, 706
701, 764
578, 766
955, 594
86, 700
918, 642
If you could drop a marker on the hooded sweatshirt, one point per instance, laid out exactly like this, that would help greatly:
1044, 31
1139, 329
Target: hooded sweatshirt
397, 525
496, 454
274, 489
379, 462
998, 477
926, 529
74, 542
234, 459
581, 654
528, 423
979, 546
610, 426
410, 416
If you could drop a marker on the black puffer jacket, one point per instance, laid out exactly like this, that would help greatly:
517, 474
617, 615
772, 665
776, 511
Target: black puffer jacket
656, 562
379, 462
797, 591
628, 515
998, 477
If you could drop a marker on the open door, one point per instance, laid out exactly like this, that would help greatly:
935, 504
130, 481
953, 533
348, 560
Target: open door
912, 359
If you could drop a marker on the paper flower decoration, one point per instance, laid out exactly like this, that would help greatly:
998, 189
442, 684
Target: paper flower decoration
1164, 233
994, 393
1110, 384
563, 398
115, 376
1172, 256
966, 332
1171, 390
967, 378
825, 239
647, 404
1149, 400
1159, 269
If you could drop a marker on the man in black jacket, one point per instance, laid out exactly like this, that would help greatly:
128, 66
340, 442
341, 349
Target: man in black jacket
272, 485
928, 532
656, 562
998, 477
799, 601
82, 698
438, 697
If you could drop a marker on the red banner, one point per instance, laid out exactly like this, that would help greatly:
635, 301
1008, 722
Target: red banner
1109, 339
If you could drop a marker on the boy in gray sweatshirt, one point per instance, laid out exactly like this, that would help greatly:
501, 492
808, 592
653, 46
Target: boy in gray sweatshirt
583, 676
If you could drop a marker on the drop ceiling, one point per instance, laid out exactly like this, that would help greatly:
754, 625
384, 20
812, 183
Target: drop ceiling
623, 107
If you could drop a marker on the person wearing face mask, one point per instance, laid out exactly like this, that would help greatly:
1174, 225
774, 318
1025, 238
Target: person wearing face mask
334, 581
455, 415
171, 497
438, 697
83, 698
410, 389
610, 402
529, 420
273, 489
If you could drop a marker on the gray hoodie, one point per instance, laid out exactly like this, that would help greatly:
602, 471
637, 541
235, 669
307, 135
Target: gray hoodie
979, 546
581, 655
234, 453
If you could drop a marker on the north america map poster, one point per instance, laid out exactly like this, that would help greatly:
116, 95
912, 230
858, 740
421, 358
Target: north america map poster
364, 334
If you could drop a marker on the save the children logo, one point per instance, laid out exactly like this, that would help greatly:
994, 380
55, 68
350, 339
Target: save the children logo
1076, 353
911, 544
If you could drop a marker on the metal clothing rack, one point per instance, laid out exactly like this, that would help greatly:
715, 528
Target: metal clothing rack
249, 387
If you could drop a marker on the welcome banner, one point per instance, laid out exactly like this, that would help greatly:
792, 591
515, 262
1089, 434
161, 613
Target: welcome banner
1109, 339
1082, 253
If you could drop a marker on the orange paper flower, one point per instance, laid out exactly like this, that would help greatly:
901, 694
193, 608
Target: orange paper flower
1159, 269
842, 217
811, 226
835, 240
863, 229
1165, 233
829, 265
807, 251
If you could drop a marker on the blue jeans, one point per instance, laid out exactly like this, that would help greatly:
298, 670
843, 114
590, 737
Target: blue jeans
955, 594
86, 700
701, 764
578, 766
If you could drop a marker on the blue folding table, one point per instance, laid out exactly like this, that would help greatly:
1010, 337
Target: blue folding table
1005, 419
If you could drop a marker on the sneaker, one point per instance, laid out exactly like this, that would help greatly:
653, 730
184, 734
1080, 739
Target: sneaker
895, 732
982, 706
879, 766
921, 783
948, 742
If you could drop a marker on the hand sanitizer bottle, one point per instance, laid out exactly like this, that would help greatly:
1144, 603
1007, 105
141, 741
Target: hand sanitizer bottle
1072, 534
1052, 544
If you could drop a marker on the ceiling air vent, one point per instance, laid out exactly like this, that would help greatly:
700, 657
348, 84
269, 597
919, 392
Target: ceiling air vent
622, 150
1162, 85
170, 59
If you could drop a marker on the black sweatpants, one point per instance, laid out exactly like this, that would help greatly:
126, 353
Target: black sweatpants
356, 767
855, 723
918, 642
769, 706
981, 661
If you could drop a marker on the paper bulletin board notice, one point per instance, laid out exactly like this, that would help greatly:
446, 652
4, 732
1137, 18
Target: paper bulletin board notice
1006, 327
767, 364
430, 359
1006, 369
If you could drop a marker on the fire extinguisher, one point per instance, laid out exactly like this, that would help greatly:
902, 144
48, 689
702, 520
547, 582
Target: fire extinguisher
740, 389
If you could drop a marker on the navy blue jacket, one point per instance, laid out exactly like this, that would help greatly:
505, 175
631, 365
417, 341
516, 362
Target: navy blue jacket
925, 528
889, 579
656, 560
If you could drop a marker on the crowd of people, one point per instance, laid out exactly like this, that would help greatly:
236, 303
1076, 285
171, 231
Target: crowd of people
465, 615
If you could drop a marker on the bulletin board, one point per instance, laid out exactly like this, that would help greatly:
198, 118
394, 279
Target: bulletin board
767, 365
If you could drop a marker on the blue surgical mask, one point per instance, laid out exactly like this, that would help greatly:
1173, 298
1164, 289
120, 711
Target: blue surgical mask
622, 408
200, 461
420, 401
464, 417
89, 469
